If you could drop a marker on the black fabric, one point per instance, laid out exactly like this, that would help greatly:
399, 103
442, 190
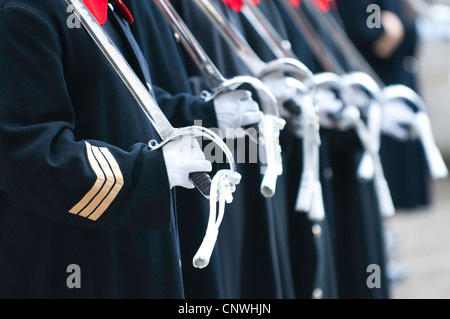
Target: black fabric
354, 211
306, 263
404, 162
247, 239
168, 69
60, 91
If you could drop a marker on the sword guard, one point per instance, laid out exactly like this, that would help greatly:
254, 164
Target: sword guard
205, 95
201, 180
293, 68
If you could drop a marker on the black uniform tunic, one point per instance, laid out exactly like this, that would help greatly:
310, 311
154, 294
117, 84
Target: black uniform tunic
169, 72
306, 264
358, 224
355, 221
404, 162
311, 257
247, 244
79, 184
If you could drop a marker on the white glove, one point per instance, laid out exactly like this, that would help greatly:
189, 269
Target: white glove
328, 104
235, 110
284, 89
436, 163
184, 156
398, 120
356, 96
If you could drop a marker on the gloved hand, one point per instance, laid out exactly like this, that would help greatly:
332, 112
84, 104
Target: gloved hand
398, 120
284, 89
184, 156
329, 105
235, 110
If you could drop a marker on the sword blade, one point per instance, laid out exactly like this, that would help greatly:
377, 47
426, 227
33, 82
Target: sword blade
123, 69
270, 148
281, 48
339, 37
232, 36
165, 130
321, 52
191, 45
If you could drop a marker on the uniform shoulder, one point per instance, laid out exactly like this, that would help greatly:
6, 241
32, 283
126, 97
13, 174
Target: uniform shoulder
46, 9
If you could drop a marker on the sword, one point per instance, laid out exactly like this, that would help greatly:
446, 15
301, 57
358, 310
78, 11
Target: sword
326, 59
370, 167
270, 125
309, 198
224, 181
301, 78
340, 39
281, 48
370, 136
422, 127
145, 100
435, 161
256, 66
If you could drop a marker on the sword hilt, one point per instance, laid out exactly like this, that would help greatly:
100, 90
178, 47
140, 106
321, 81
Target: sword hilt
202, 181
292, 107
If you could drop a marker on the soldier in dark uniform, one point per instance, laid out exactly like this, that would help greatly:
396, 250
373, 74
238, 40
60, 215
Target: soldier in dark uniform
311, 269
355, 221
287, 187
249, 257
169, 71
390, 50
79, 184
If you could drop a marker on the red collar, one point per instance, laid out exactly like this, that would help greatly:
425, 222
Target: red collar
323, 5
236, 5
99, 8
296, 3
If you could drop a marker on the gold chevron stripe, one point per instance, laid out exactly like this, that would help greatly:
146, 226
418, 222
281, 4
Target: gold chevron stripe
109, 183
106, 187
116, 189
97, 185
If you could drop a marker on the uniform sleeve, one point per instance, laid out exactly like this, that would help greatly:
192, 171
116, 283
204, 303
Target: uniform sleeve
184, 109
43, 169
409, 43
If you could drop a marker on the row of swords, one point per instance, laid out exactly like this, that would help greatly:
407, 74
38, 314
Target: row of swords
365, 120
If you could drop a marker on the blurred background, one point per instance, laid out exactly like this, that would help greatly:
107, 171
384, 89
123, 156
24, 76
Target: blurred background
419, 239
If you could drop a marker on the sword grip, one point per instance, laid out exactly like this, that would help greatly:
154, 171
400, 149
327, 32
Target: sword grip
202, 181
292, 107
